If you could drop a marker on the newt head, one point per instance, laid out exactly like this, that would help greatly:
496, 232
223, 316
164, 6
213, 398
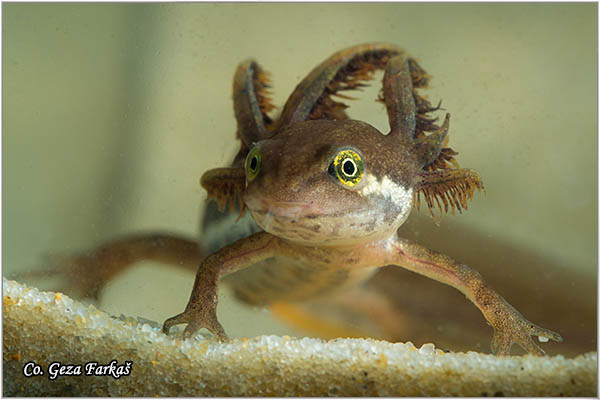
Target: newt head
330, 182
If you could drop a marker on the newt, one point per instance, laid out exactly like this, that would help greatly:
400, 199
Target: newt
319, 198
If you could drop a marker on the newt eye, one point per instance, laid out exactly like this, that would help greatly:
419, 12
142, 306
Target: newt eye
348, 167
253, 163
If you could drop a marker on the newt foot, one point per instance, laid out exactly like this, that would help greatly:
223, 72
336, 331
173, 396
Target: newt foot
201, 311
195, 321
517, 329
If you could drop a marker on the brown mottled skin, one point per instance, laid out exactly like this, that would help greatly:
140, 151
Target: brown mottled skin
318, 232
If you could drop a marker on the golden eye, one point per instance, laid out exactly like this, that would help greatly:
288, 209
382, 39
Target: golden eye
253, 163
348, 167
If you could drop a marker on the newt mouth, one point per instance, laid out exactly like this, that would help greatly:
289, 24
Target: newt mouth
291, 210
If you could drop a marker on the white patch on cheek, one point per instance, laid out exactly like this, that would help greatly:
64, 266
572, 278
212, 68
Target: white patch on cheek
388, 189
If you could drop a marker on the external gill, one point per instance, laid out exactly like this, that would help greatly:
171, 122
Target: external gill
428, 148
262, 85
409, 114
224, 185
353, 76
345, 70
252, 102
452, 186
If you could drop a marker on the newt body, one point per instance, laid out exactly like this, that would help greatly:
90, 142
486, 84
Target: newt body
330, 193
326, 195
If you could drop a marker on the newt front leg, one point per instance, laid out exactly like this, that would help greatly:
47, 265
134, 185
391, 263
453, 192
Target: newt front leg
200, 311
509, 325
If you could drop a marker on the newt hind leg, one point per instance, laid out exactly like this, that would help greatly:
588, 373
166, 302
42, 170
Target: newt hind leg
84, 274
